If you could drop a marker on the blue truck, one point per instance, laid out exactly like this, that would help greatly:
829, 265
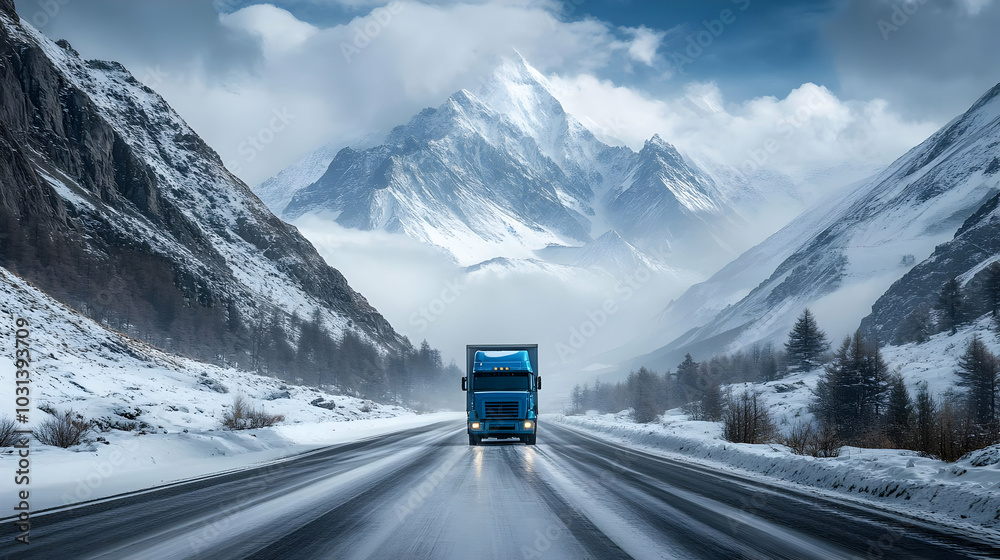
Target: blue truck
501, 392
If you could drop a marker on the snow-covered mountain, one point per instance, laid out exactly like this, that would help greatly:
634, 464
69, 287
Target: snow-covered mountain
307, 170
112, 204
448, 180
504, 171
841, 256
125, 385
975, 246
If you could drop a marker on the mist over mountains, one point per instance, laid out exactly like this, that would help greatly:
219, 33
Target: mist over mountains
459, 178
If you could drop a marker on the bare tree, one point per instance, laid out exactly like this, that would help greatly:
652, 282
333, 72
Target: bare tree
748, 419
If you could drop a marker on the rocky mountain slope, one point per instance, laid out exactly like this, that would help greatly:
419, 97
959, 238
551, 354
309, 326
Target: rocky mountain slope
975, 246
112, 204
840, 257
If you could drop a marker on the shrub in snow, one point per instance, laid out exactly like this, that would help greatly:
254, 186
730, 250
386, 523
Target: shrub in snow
748, 419
128, 412
65, 430
825, 442
244, 416
7, 429
798, 437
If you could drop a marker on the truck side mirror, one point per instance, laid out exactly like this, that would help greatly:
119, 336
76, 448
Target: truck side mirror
538, 383
465, 383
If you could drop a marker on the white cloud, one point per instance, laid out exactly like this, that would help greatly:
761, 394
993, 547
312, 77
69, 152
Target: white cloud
645, 42
349, 82
279, 30
807, 131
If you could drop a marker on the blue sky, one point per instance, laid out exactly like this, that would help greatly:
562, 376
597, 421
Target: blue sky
768, 48
708, 75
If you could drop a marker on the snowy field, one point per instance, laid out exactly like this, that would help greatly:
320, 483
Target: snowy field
966, 492
172, 407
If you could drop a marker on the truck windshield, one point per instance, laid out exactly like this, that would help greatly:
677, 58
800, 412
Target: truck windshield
501, 381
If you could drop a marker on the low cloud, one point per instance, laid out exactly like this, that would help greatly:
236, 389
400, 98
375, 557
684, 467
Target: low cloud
426, 296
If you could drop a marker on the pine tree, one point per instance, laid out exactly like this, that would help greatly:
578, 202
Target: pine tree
806, 343
576, 400
900, 411
687, 378
850, 394
875, 376
768, 363
977, 370
925, 418
832, 396
951, 305
643, 388
712, 402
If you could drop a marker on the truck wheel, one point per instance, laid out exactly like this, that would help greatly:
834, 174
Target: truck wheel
473, 440
530, 440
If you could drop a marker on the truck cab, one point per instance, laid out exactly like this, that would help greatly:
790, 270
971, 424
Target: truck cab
501, 386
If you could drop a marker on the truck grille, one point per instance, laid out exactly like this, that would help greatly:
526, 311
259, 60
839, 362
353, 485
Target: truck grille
501, 409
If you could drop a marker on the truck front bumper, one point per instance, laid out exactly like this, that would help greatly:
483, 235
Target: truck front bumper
502, 428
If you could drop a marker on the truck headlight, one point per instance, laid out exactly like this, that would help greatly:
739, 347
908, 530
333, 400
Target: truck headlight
528, 424
475, 425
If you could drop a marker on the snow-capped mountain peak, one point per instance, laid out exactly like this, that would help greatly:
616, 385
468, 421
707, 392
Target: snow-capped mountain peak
502, 170
525, 98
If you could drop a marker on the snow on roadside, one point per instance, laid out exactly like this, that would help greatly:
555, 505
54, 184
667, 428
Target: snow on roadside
958, 493
171, 407
967, 491
129, 463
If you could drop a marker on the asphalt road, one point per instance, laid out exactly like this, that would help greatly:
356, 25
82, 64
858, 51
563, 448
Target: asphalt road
425, 493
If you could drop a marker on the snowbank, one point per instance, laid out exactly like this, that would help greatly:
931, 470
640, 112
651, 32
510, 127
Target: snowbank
127, 462
966, 493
